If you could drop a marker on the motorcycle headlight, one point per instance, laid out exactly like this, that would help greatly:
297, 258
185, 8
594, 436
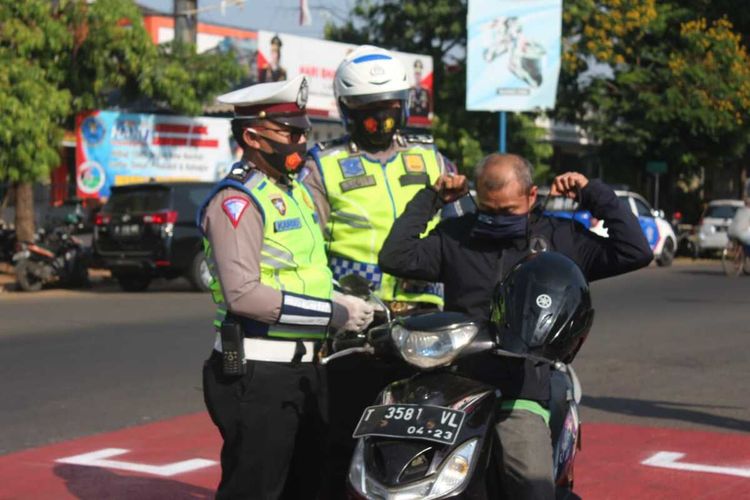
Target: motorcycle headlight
451, 476
433, 348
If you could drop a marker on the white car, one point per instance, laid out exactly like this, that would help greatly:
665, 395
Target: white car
658, 231
712, 228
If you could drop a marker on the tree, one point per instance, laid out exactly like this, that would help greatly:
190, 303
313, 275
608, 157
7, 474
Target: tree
438, 28
61, 58
655, 80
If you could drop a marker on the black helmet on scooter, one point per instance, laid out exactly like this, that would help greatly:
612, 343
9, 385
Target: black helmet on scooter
543, 308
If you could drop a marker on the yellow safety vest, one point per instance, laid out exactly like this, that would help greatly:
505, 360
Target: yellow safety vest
293, 255
366, 197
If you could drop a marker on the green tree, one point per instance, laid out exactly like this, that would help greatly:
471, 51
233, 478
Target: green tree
61, 58
438, 28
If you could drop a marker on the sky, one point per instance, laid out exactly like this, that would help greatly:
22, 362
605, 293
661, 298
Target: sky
274, 15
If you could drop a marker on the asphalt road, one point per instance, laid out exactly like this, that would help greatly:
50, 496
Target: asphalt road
669, 348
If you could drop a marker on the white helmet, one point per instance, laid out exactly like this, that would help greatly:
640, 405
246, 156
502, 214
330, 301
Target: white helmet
370, 74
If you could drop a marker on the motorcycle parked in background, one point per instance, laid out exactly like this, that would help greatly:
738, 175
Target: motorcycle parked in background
7, 242
54, 257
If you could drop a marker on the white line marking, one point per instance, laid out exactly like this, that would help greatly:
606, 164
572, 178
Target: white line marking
99, 459
669, 460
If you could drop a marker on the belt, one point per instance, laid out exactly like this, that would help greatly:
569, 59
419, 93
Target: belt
281, 351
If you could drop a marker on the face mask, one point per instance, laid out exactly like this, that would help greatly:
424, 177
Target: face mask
286, 158
500, 227
375, 127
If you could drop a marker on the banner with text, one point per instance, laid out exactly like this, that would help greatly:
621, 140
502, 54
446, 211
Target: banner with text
282, 56
114, 148
513, 54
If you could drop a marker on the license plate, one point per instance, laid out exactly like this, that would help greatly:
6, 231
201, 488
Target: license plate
127, 230
431, 423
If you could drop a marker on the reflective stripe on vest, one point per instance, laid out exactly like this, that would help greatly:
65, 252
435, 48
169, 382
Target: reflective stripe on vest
366, 197
292, 257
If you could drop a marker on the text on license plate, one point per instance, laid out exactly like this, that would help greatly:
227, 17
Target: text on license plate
127, 230
433, 423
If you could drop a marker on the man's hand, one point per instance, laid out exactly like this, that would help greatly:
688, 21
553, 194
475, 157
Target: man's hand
568, 184
360, 313
451, 187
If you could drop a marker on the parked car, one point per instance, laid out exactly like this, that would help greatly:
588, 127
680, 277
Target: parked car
145, 231
712, 227
656, 228
564, 208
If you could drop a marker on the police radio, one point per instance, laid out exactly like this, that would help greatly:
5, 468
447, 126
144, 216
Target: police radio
232, 348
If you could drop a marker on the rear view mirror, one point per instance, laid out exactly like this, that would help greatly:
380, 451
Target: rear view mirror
354, 284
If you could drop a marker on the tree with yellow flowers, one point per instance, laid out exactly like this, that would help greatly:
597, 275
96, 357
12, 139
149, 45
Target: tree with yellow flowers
650, 79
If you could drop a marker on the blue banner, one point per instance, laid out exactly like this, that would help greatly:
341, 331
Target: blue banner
513, 54
115, 148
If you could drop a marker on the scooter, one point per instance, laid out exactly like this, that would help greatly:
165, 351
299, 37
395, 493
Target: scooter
432, 435
57, 256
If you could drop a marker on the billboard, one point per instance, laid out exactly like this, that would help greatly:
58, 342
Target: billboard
114, 148
282, 56
513, 54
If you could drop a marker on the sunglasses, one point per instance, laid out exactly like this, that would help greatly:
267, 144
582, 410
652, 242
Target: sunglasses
294, 135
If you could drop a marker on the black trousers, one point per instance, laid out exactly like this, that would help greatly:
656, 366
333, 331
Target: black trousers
273, 422
353, 384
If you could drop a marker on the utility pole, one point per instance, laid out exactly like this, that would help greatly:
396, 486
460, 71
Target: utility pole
185, 21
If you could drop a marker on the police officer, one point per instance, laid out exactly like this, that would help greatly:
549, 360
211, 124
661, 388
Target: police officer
361, 183
266, 252
471, 254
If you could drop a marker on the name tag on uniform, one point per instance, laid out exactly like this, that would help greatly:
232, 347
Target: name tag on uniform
280, 226
412, 179
357, 183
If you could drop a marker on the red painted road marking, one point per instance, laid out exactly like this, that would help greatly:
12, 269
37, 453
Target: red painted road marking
610, 466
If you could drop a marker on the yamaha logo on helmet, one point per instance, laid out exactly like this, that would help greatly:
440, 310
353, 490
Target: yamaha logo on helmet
544, 301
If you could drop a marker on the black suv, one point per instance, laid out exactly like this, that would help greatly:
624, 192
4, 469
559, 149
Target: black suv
146, 231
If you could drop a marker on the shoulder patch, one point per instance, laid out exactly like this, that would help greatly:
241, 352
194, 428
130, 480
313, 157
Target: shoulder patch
234, 207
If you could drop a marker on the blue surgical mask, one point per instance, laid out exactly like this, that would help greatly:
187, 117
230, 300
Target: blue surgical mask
500, 227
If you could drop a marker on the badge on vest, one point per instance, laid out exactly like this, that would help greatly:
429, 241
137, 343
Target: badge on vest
279, 204
351, 167
280, 226
357, 183
414, 163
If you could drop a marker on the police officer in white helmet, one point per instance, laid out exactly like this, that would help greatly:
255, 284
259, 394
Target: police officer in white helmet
361, 183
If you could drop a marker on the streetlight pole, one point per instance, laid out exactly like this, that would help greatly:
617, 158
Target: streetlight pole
185, 21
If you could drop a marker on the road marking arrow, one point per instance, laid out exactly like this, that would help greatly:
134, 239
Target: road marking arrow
99, 459
669, 460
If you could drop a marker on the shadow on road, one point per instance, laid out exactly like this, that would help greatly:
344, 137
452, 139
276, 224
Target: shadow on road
95, 483
703, 272
668, 410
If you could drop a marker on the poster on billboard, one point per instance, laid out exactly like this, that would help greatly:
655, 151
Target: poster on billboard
115, 148
513, 54
282, 56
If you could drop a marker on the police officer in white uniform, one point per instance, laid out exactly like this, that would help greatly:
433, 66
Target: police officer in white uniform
272, 284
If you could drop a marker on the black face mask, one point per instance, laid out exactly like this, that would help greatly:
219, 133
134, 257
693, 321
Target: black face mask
374, 128
286, 158
500, 227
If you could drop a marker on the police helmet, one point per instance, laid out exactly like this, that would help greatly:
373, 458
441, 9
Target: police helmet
543, 308
370, 74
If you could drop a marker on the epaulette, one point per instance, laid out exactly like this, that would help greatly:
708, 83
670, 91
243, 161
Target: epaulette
418, 138
240, 172
339, 141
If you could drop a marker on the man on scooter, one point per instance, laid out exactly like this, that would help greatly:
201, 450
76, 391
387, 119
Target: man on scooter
470, 254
